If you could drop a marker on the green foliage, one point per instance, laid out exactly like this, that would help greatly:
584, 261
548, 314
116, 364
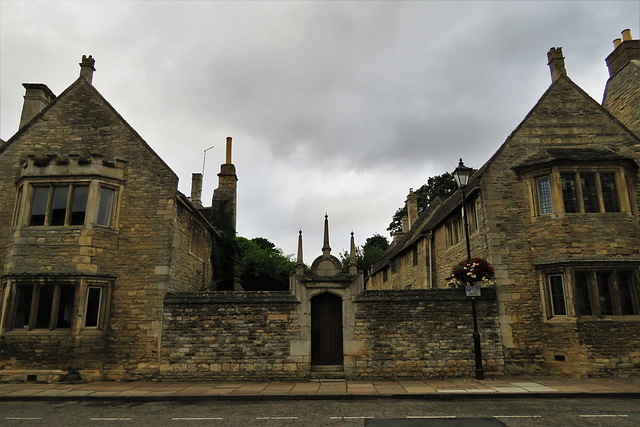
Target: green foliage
225, 250
368, 254
262, 266
437, 186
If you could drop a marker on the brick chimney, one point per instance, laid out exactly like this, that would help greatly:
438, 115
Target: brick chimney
87, 68
624, 51
196, 189
412, 207
37, 96
556, 63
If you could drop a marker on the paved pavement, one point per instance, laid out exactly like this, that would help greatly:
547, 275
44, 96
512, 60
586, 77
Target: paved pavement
424, 389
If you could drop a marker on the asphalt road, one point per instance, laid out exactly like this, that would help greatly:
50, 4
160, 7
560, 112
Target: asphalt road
353, 412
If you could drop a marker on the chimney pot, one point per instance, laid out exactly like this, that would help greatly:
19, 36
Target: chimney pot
228, 150
87, 68
624, 51
556, 63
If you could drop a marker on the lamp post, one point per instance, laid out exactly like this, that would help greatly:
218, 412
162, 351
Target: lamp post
461, 175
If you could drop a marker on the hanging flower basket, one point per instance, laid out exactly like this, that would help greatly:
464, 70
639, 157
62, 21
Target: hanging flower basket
473, 270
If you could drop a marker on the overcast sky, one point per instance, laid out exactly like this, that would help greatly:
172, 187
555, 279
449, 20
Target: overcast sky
336, 107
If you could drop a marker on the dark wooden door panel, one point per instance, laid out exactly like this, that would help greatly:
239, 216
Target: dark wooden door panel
326, 329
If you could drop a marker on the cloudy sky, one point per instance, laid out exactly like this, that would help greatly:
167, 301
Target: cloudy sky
336, 107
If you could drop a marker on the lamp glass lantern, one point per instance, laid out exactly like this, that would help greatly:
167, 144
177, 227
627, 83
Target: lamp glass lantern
462, 174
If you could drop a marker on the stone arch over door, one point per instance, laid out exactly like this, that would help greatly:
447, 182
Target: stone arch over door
326, 330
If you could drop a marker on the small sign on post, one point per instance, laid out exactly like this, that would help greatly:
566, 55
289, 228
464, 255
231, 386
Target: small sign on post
472, 291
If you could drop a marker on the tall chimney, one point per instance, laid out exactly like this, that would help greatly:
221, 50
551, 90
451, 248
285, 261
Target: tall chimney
228, 150
196, 189
37, 96
556, 63
624, 51
412, 207
225, 196
87, 68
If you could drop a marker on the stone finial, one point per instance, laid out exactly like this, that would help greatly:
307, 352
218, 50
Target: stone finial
556, 63
300, 262
326, 249
87, 68
353, 267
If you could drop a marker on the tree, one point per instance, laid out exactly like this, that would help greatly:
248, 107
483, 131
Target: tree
261, 266
437, 186
368, 254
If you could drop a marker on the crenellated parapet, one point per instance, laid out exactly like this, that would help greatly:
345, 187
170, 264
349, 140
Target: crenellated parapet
73, 165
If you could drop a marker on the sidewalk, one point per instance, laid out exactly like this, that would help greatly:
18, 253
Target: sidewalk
421, 389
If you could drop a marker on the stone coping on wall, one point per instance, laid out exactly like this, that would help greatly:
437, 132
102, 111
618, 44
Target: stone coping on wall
456, 294
231, 297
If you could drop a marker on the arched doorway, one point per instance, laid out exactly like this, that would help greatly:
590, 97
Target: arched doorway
326, 330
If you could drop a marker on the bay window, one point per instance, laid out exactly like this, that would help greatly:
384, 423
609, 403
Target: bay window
598, 292
44, 304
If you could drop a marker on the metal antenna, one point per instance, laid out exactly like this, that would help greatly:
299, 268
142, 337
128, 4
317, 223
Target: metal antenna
204, 158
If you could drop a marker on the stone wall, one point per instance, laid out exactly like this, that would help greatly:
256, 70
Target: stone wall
425, 333
230, 335
249, 335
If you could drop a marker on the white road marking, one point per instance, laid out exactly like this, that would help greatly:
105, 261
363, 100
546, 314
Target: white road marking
604, 416
110, 419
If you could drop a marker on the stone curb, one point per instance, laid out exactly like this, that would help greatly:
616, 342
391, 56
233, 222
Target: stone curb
292, 397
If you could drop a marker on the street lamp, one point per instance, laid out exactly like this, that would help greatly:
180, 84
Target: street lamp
461, 175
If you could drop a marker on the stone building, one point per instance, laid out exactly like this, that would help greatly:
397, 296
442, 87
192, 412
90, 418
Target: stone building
555, 211
93, 234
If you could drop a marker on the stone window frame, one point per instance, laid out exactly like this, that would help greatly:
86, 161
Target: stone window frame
623, 180
26, 189
454, 226
574, 295
82, 289
197, 240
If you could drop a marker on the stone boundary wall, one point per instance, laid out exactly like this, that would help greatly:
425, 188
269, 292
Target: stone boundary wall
230, 335
248, 335
425, 333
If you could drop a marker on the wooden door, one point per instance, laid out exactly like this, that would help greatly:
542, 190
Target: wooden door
326, 330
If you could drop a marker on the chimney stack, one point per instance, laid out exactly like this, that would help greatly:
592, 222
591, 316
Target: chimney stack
412, 207
196, 189
87, 68
556, 63
37, 96
625, 50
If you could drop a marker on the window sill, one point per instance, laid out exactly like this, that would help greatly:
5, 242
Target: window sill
593, 319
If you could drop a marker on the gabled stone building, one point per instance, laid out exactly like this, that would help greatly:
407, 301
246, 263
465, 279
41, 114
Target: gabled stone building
93, 234
555, 211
